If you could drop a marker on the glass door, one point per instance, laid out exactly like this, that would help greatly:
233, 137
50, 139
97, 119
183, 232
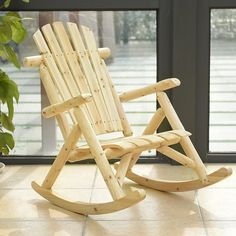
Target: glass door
222, 120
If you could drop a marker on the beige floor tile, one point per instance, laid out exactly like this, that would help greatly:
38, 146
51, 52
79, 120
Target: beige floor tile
20, 176
218, 203
165, 171
72, 176
229, 182
160, 171
147, 228
27, 204
76, 176
156, 206
221, 228
41, 228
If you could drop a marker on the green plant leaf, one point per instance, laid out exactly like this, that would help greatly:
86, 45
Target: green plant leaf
18, 31
17, 28
8, 18
6, 142
6, 3
8, 88
6, 122
10, 108
5, 33
8, 53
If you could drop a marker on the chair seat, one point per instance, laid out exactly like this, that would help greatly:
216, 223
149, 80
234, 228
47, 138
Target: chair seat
120, 146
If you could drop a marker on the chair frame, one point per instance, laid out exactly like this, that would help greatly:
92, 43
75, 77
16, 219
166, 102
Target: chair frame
101, 154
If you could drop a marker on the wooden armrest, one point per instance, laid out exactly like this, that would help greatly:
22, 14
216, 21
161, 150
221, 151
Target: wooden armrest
158, 87
35, 61
55, 109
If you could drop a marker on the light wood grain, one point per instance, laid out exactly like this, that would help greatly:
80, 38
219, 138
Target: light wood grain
179, 186
159, 86
185, 142
79, 76
62, 157
58, 108
131, 198
77, 81
90, 75
102, 79
54, 97
35, 61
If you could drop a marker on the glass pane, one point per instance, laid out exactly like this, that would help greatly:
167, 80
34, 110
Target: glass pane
131, 36
222, 124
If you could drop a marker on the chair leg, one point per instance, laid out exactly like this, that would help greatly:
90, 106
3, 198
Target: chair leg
121, 201
185, 142
153, 125
177, 156
99, 156
123, 167
61, 158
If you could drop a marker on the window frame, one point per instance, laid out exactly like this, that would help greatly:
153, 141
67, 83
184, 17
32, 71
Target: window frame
74, 5
185, 57
203, 81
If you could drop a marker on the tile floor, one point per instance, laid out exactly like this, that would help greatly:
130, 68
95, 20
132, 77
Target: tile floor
206, 212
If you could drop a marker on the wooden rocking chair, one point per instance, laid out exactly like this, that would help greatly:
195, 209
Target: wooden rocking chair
81, 93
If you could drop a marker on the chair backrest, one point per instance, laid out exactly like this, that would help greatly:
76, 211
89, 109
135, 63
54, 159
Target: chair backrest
74, 66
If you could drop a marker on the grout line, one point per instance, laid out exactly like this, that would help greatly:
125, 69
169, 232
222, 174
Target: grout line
200, 212
90, 198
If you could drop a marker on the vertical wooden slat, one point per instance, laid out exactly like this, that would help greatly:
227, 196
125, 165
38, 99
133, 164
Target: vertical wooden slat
54, 97
48, 125
54, 74
59, 58
78, 75
124, 122
95, 59
89, 73
61, 84
49, 61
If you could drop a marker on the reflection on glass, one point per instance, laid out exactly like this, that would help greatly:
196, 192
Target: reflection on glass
222, 124
131, 36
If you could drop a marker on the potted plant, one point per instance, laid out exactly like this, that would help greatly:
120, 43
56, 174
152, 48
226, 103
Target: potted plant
12, 32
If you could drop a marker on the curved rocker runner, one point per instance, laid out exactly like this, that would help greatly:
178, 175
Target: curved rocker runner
81, 93
91, 208
179, 186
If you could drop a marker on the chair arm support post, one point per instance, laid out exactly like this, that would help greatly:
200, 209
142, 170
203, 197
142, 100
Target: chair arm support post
158, 87
58, 108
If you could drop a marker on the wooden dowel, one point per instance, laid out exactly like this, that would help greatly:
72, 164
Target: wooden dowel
159, 86
62, 157
185, 142
152, 126
104, 52
177, 156
123, 167
155, 122
99, 155
58, 108
35, 61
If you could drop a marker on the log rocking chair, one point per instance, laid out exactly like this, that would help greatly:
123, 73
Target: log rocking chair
85, 104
